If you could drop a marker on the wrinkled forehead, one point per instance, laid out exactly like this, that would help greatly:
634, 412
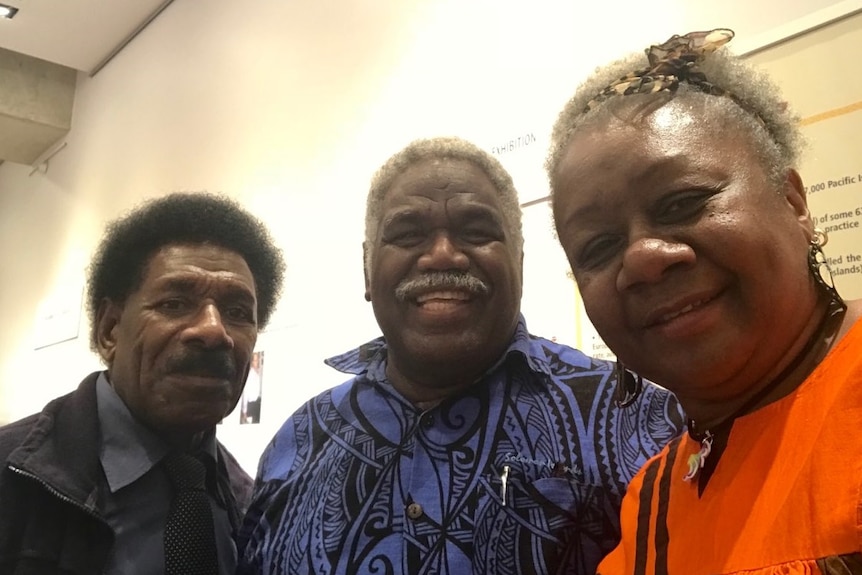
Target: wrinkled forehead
195, 262
448, 180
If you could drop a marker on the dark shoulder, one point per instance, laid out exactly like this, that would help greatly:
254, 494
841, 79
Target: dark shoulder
241, 483
69, 411
13, 434
232, 466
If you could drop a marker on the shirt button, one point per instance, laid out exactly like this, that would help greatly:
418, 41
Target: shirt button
428, 420
414, 511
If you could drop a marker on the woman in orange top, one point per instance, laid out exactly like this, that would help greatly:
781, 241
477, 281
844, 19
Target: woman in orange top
677, 202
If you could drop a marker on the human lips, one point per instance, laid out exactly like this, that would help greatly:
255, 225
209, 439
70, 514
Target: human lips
201, 375
448, 295
441, 286
666, 314
669, 316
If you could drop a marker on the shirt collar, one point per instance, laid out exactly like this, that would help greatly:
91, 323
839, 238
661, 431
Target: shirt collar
128, 450
370, 358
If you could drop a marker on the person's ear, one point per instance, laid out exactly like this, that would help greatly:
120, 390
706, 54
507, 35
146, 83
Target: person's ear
108, 317
794, 194
365, 271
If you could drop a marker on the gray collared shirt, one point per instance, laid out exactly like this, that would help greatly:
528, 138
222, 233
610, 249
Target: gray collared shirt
138, 495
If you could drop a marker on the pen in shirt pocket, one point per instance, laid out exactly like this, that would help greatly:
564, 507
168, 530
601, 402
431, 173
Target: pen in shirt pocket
504, 484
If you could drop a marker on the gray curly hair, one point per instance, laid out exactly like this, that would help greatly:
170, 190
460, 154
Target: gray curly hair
756, 106
448, 148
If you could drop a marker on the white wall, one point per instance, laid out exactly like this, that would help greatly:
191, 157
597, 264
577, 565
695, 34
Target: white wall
289, 106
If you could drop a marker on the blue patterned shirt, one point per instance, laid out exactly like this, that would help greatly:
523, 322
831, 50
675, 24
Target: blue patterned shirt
523, 472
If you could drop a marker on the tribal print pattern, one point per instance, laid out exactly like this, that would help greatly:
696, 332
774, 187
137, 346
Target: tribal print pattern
522, 474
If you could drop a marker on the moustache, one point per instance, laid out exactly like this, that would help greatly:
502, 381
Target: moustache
209, 363
463, 281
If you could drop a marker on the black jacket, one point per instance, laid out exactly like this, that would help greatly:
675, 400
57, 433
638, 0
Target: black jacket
49, 489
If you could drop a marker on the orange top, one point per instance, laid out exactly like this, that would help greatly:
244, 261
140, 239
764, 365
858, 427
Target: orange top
784, 498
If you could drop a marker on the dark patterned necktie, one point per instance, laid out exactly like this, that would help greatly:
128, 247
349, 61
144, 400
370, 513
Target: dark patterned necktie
190, 545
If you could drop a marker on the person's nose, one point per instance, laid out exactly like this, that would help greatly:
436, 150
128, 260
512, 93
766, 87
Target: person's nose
206, 329
443, 254
648, 258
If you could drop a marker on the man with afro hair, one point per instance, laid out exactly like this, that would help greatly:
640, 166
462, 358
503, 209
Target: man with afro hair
124, 474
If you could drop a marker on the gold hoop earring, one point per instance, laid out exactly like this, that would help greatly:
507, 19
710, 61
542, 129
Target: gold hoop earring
821, 238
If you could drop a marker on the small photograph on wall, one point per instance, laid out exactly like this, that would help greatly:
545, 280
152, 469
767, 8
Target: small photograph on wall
249, 411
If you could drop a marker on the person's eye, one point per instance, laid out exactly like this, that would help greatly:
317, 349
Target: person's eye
479, 235
404, 238
240, 313
681, 206
598, 251
173, 305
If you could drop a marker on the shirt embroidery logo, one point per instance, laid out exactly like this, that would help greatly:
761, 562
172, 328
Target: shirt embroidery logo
558, 468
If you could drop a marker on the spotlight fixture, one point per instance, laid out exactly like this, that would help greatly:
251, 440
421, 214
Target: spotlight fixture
7, 12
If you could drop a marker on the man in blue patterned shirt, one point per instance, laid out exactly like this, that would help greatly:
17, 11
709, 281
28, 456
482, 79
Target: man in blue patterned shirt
462, 444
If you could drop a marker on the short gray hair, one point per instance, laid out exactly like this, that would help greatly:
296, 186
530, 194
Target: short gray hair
443, 148
756, 105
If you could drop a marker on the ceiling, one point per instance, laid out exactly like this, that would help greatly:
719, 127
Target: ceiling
80, 34
83, 34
